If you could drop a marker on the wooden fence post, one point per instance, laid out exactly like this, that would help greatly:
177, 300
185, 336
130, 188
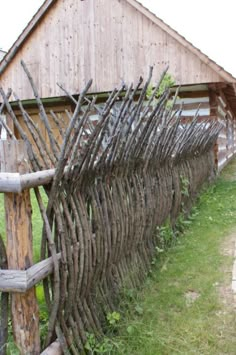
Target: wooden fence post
24, 308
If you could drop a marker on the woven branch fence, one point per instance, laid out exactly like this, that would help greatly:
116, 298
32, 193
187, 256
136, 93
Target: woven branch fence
113, 185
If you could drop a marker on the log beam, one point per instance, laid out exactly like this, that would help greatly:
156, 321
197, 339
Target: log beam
22, 280
16, 182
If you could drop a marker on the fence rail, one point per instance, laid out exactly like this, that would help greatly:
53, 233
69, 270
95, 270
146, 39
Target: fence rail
112, 184
16, 182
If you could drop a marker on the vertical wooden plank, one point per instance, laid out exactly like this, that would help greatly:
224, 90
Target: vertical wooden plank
214, 115
25, 317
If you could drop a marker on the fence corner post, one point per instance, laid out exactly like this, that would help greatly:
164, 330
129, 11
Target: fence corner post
24, 307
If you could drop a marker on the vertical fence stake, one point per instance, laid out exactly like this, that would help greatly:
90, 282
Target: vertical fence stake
24, 308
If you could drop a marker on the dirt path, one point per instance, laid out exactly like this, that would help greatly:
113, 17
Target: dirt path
228, 290
229, 247
234, 270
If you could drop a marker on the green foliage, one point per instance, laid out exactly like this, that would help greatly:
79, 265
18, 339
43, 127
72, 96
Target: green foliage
182, 223
166, 236
10, 346
98, 347
104, 345
184, 183
138, 309
166, 83
113, 318
130, 329
37, 224
43, 312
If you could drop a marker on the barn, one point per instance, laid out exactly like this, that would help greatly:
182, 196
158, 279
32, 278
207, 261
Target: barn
112, 42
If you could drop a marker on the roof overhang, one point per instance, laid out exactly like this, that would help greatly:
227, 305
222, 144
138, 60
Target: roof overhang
24, 35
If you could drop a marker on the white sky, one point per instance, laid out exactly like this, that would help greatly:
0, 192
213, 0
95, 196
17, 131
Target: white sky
208, 24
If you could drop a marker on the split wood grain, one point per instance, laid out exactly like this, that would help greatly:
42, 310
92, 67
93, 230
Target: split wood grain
24, 307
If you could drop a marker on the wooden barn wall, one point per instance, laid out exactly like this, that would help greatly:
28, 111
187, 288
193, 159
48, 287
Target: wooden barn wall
191, 102
59, 111
63, 114
227, 137
212, 105
107, 40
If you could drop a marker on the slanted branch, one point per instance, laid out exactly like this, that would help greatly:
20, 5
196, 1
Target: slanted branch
108, 189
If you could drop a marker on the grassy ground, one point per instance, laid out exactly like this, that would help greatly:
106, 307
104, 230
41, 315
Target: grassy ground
36, 223
185, 306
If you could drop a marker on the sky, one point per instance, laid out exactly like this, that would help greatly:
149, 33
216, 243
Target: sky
208, 24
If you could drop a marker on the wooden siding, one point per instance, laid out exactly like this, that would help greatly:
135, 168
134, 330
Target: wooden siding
192, 100
214, 105
227, 138
107, 40
60, 112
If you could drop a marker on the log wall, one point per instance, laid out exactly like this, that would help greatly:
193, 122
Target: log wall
191, 100
211, 104
226, 143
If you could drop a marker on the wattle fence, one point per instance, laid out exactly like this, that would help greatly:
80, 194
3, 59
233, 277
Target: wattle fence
109, 187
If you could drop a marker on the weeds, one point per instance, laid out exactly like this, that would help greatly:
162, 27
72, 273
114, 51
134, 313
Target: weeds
184, 183
160, 318
178, 310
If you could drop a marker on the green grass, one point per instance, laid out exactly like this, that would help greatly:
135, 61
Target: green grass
171, 323
36, 223
159, 319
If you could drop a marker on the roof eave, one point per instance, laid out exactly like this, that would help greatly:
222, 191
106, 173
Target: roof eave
26, 32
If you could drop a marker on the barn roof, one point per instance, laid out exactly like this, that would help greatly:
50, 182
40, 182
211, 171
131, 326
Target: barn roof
25, 34
2, 54
139, 7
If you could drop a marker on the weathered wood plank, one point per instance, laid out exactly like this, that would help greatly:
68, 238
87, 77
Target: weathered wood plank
25, 317
78, 49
